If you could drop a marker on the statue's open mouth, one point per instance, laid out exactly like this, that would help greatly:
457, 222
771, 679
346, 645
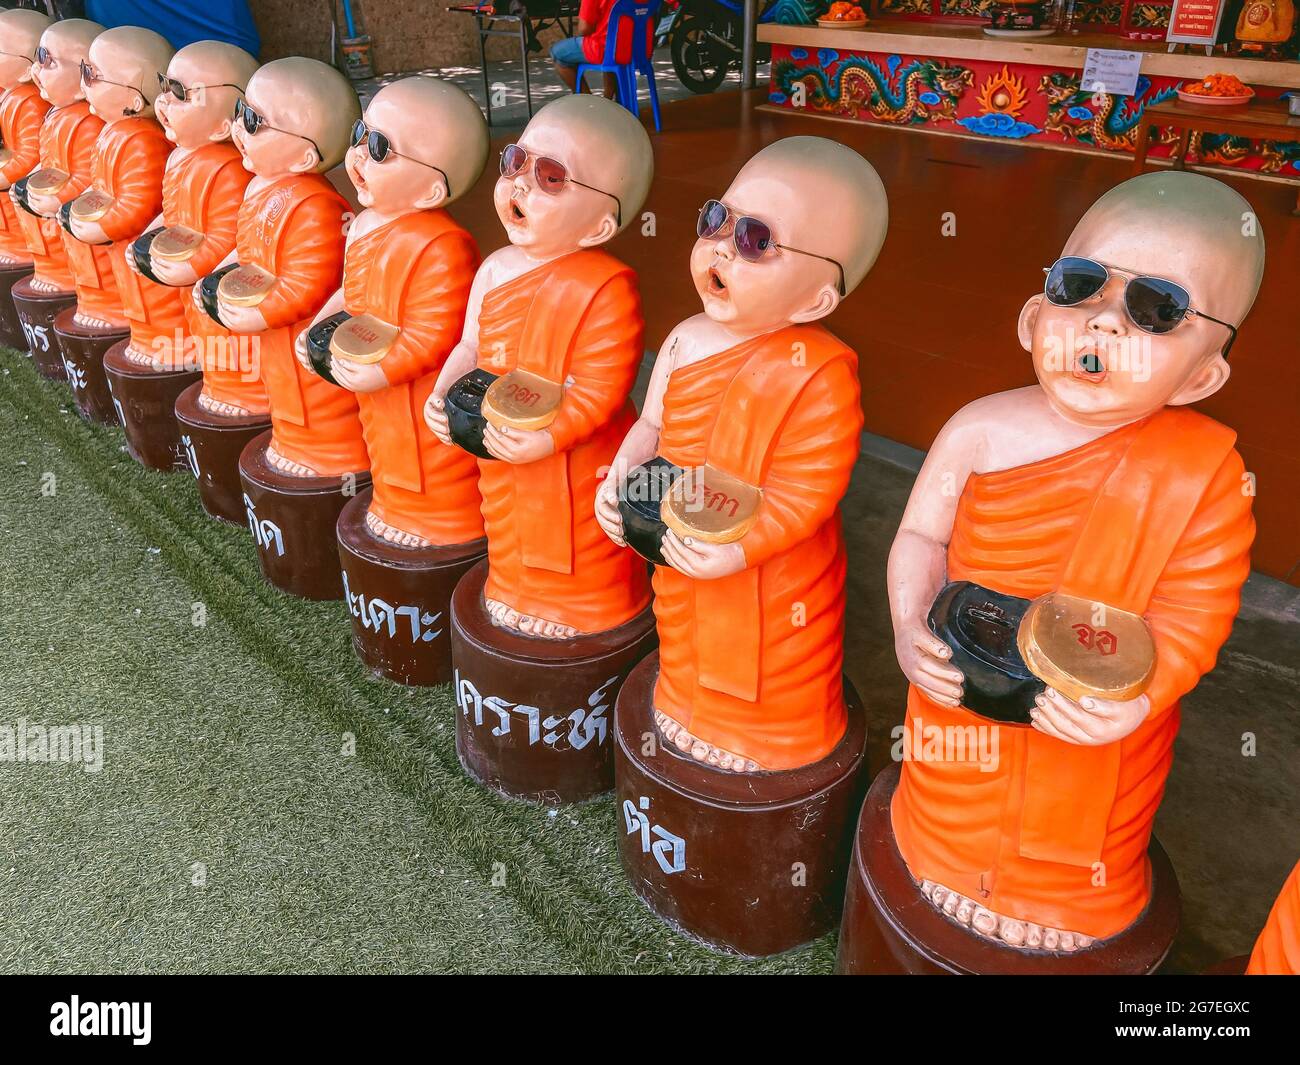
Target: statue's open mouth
1089, 366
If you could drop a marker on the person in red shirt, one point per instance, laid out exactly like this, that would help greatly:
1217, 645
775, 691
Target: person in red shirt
587, 47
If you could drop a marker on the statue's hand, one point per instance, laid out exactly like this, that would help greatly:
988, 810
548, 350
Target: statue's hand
178, 275
607, 512
518, 446
435, 416
705, 562
44, 203
300, 351
1090, 722
358, 376
241, 319
924, 659
88, 232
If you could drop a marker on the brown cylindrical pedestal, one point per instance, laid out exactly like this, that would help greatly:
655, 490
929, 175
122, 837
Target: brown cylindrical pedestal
83, 350
534, 720
400, 598
293, 521
146, 405
890, 928
12, 334
749, 863
36, 312
212, 445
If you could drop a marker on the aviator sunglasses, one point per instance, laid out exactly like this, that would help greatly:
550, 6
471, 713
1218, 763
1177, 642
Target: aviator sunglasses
182, 93
551, 174
380, 148
91, 76
751, 236
253, 122
1153, 304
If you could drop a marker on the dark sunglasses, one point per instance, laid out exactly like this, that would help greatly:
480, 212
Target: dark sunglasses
551, 174
751, 236
253, 122
43, 57
380, 148
91, 76
1153, 304
182, 93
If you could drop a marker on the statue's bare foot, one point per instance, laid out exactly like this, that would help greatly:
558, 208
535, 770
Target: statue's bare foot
142, 357
221, 408
287, 466
380, 528
41, 285
508, 618
12, 260
701, 751
89, 321
1023, 935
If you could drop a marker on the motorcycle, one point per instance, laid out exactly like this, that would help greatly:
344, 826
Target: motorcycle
706, 38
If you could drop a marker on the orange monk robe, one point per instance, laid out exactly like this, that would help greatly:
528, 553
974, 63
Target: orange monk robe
752, 663
67, 143
973, 827
202, 190
293, 228
1277, 951
156, 313
21, 113
415, 272
130, 155
547, 556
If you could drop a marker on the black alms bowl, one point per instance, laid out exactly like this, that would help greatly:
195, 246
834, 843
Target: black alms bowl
464, 406
639, 498
140, 253
208, 290
318, 344
980, 625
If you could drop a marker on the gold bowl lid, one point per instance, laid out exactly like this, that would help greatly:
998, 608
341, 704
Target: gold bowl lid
707, 504
91, 205
176, 244
522, 400
48, 179
363, 338
1081, 647
246, 285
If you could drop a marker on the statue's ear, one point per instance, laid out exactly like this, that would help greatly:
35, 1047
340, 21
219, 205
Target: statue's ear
1205, 382
436, 196
606, 230
825, 300
305, 163
222, 132
1028, 320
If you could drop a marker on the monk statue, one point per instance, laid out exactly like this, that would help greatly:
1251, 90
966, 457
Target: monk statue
291, 127
202, 189
65, 150
21, 113
1277, 951
556, 324
121, 81
67, 157
1097, 532
406, 280
758, 405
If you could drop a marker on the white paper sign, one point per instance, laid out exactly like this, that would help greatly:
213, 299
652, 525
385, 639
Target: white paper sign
1110, 70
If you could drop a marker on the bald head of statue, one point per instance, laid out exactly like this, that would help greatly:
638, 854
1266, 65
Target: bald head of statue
826, 210
68, 43
607, 157
307, 110
437, 145
1094, 360
20, 33
126, 61
212, 76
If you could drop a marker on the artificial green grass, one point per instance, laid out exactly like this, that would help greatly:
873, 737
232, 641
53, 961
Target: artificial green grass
224, 745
